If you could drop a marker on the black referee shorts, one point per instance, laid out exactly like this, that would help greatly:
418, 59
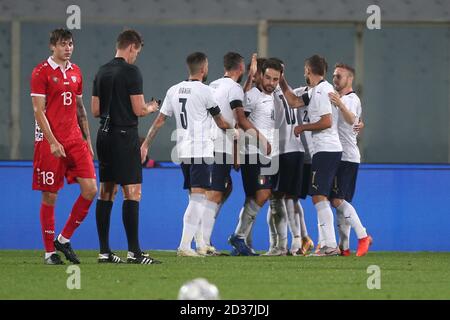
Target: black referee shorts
119, 155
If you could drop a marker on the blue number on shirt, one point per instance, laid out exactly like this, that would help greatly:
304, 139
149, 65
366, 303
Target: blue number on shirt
305, 117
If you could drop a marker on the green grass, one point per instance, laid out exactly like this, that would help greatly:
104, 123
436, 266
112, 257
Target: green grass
416, 275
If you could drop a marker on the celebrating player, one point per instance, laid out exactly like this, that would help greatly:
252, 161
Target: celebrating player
229, 95
345, 181
256, 169
193, 105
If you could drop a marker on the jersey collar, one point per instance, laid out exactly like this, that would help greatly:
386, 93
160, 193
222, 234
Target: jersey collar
54, 65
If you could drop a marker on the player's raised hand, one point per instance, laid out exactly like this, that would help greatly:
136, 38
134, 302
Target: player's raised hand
57, 149
254, 65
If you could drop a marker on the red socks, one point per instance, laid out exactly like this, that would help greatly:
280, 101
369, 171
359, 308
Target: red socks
48, 226
79, 212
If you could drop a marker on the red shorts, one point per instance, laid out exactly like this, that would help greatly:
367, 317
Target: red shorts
49, 171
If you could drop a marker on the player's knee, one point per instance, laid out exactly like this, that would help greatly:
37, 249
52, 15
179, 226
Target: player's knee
107, 192
215, 196
262, 196
336, 202
89, 192
49, 198
133, 197
132, 193
318, 198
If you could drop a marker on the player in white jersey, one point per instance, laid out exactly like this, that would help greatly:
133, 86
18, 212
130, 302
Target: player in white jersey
254, 71
296, 215
345, 181
257, 169
287, 180
229, 95
327, 147
193, 105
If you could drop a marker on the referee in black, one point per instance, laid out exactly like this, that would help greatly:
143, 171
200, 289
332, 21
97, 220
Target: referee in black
118, 100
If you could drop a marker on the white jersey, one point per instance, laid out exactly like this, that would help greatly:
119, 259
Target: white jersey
227, 92
190, 102
303, 118
285, 122
326, 140
262, 115
347, 135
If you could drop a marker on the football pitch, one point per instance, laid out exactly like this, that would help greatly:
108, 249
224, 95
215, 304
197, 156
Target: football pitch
402, 275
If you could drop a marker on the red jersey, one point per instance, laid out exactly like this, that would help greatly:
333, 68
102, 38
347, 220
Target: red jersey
60, 89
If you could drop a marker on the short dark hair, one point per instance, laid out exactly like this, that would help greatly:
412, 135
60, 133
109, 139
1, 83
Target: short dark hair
346, 67
232, 60
60, 34
128, 37
195, 61
279, 61
317, 64
272, 64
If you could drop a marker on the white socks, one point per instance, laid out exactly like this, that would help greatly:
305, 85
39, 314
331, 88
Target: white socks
191, 219
246, 218
344, 231
208, 220
249, 239
272, 229
62, 240
351, 218
48, 254
294, 222
301, 218
280, 220
326, 224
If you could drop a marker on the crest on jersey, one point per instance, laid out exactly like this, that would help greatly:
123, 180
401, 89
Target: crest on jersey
74, 79
55, 79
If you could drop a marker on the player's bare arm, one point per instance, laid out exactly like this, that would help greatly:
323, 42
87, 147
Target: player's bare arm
39, 106
221, 122
83, 123
248, 127
95, 106
140, 107
151, 134
291, 98
335, 99
325, 122
251, 73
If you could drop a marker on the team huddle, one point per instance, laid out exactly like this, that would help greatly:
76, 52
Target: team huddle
287, 143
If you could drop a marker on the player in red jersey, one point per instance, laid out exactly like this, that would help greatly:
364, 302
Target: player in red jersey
62, 143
